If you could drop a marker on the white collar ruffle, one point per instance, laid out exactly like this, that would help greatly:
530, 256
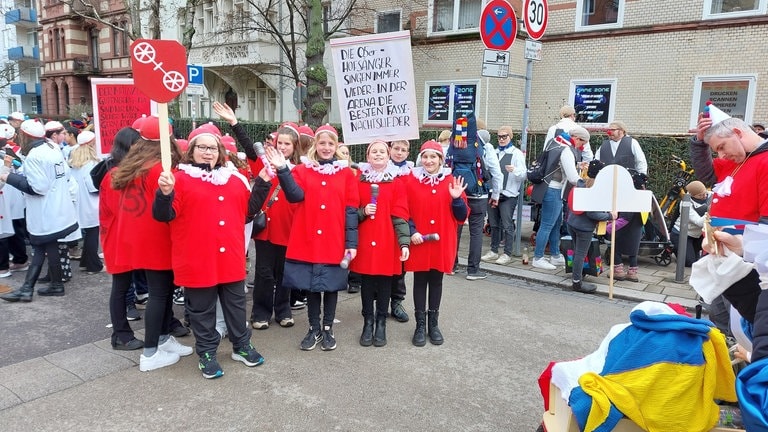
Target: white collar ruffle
217, 176
431, 179
326, 168
372, 176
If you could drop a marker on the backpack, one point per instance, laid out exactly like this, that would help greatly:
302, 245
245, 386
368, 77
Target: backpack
537, 172
469, 164
465, 156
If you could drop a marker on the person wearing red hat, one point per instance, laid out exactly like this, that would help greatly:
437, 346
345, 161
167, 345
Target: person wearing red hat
437, 205
269, 294
185, 201
141, 242
324, 234
306, 136
384, 238
123, 337
45, 184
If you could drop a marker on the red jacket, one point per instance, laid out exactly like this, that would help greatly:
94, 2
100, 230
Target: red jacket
378, 252
109, 210
318, 234
141, 241
430, 211
748, 199
279, 217
207, 232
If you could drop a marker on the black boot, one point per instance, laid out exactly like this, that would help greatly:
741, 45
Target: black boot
419, 336
583, 287
434, 333
398, 312
54, 289
24, 293
366, 339
380, 336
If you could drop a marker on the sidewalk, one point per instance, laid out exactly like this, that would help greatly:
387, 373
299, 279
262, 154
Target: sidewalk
657, 283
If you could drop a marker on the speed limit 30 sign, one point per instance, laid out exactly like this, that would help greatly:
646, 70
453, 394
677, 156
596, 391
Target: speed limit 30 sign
536, 14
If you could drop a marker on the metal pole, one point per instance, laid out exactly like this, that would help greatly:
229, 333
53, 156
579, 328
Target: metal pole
682, 242
523, 148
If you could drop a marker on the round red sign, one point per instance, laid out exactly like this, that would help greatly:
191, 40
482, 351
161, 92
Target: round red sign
498, 25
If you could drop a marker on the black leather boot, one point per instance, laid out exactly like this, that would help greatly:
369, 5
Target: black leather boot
398, 312
24, 293
366, 339
584, 287
434, 332
380, 335
54, 289
419, 336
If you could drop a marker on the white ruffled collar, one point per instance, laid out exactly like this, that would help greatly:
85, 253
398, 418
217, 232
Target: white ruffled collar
431, 179
372, 176
217, 176
326, 168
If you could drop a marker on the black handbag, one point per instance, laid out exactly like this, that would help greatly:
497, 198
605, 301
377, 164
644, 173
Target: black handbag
260, 218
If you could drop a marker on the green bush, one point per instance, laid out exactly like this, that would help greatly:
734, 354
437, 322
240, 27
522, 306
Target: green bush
658, 149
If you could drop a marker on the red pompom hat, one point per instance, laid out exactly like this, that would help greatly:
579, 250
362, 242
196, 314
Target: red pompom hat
431, 145
307, 131
327, 129
229, 143
150, 129
205, 129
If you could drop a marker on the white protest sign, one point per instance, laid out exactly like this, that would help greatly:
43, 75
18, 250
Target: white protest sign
375, 87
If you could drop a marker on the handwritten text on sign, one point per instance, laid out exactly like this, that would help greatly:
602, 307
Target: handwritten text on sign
116, 104
376, 93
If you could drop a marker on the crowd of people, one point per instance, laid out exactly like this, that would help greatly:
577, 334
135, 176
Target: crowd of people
320, 223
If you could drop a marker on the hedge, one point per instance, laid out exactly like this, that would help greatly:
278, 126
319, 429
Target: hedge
659, 149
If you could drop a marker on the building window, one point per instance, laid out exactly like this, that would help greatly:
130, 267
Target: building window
117, 46
326, 17
733, 94
454, 16
13, 105
599, 14
594, 101
444, 99
388, 22
734, 8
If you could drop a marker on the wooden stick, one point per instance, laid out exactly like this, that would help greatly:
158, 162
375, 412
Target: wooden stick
613, 231
165, 136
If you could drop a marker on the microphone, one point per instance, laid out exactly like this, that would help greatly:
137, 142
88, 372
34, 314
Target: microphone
15, 161
345, 261
374, 195
259, 147
431, 237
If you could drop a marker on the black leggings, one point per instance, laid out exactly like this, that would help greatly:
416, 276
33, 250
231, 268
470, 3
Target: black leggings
433, 280
328, 300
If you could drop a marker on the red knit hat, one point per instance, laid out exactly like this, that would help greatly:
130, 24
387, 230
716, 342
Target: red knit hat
307, 131
150, 129
328, 129
433, 146
137, 123
183, 145
292, 126
204, 129
229, 143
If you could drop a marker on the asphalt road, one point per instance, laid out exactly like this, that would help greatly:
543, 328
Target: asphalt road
500, 334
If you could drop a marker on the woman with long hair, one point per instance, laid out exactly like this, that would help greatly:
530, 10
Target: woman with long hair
269, 295
324, 233
141, 242
82, 160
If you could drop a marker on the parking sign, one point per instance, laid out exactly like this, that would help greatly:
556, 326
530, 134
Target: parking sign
195, 74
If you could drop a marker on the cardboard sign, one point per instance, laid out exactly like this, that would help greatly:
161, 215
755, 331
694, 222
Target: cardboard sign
375, 87
117, 102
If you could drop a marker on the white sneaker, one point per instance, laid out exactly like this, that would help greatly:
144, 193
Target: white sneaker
5, 273
504, 260
173, 346
159, 360
542, 263
557, 260
490, 256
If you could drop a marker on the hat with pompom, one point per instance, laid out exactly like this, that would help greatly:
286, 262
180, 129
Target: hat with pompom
292, 126
715, 113
327, 128
229, 143
306, 131
16, 115
204, 129
150, 128
183, 145
137, 123
33, 128
85, 137
432, 146
7, 131
54, 126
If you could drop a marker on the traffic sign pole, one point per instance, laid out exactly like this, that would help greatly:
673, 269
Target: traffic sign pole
523, 148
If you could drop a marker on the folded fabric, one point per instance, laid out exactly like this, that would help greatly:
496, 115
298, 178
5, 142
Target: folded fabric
755, 240
712, 275
752, 390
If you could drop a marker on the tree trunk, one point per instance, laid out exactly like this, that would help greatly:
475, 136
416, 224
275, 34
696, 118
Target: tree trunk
315, 108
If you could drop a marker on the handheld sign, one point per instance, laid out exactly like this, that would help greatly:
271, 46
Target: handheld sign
159, 71
613, 190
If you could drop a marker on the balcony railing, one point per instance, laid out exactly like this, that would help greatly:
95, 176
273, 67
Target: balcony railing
24, 53
22, 17
84, 66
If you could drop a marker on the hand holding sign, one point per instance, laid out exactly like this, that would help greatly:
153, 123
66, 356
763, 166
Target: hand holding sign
159, 71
